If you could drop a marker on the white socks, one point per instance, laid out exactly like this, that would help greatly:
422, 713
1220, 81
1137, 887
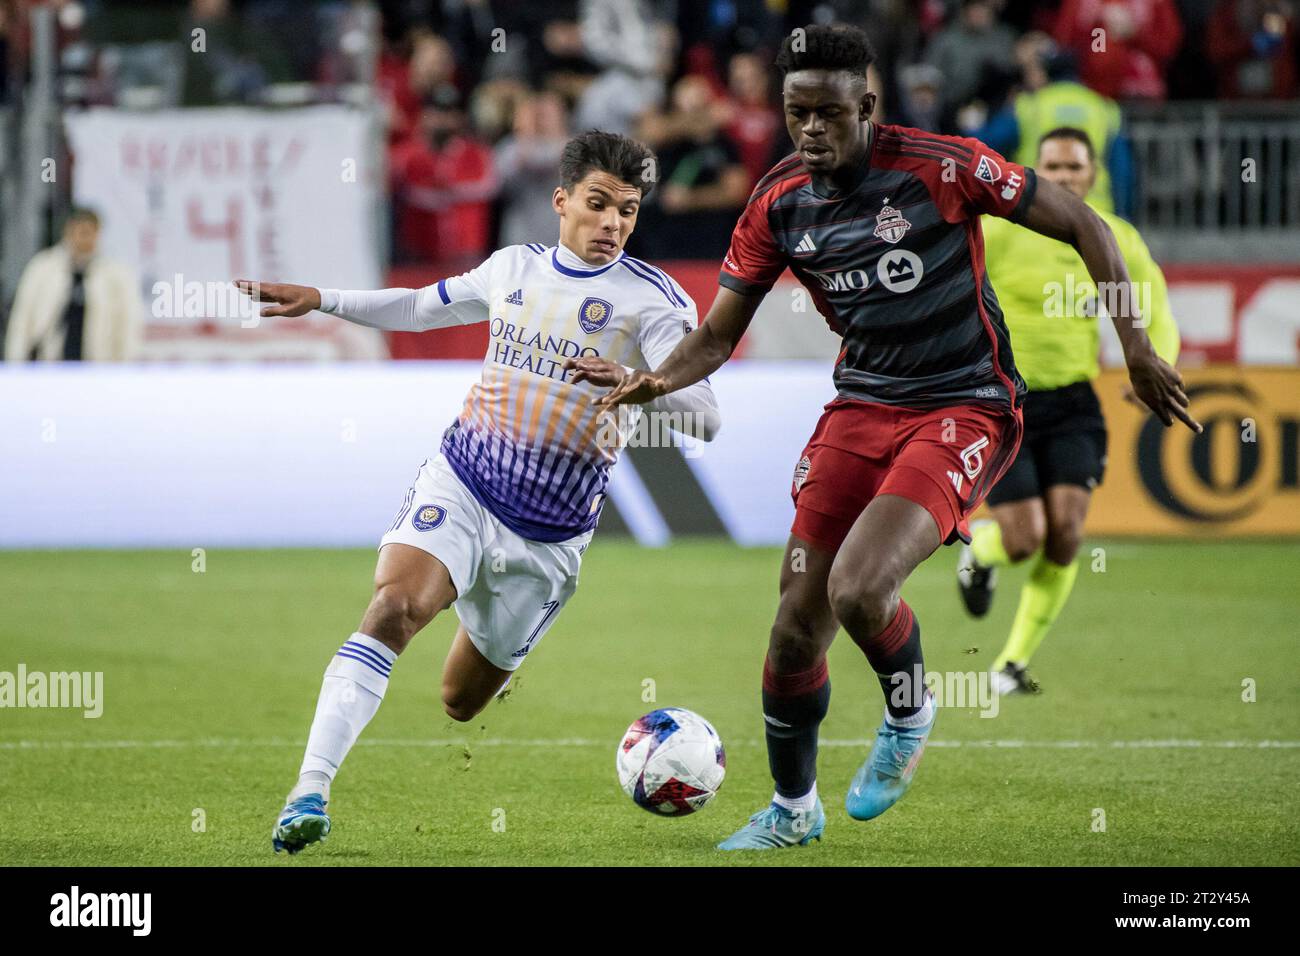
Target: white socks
919, 719
350, 695
804, 804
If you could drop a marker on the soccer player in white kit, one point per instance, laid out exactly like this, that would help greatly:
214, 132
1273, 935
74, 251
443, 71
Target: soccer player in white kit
497, 521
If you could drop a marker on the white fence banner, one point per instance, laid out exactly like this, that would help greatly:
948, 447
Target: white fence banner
194, 198
320, 455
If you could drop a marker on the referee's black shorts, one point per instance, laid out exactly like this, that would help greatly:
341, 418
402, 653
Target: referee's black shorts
1064, 444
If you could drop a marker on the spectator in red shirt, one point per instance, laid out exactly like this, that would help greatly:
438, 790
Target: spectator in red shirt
1252, 44
1122, 46
443, 181
702, 183
754, 122
405, 82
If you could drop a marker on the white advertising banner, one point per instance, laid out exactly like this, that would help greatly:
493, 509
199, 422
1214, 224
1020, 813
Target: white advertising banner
194, 198
320, 455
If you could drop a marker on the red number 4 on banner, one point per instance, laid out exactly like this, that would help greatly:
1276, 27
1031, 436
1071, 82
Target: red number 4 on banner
232, 230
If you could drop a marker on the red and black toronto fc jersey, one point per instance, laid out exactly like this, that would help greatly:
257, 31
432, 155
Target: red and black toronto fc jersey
894, 261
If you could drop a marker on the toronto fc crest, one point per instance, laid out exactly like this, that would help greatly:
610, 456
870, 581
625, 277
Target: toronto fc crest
890, 224
801, 472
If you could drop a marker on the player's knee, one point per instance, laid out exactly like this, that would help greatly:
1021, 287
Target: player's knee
1023, 540
458, 705
795, 644
863, 603
395, 615
1018, 549
1063, 542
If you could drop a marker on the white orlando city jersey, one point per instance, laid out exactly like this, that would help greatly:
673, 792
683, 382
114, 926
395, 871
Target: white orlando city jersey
528, 443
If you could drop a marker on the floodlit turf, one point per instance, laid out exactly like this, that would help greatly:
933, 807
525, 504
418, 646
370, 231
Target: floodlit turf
210, 681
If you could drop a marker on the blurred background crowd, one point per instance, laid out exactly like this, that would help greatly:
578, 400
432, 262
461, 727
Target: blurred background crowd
478, 96
454, 114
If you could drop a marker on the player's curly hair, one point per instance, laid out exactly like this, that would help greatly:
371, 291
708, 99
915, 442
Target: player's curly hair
633, 162
818, 47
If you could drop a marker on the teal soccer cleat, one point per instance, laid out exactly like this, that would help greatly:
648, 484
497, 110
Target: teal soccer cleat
775, 827
885, 777
302, 822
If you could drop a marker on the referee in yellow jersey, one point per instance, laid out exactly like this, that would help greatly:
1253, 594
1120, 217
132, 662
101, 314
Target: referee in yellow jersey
1051, 309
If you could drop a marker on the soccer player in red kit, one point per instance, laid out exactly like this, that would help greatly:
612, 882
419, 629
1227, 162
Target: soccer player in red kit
880, 224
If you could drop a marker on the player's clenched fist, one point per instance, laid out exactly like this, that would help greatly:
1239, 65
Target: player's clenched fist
290, 300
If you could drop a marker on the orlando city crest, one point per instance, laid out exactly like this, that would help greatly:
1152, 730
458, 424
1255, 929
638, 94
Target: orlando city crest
428, 517
890, 224
593, 314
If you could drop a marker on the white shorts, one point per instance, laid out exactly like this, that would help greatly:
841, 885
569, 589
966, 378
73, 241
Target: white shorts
509, 590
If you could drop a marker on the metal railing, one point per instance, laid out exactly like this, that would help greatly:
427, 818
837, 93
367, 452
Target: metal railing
1218, 181
34, 179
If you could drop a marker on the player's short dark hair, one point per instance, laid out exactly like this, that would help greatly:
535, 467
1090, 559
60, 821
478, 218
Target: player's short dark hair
634, 163
819, 47
1070, 132
81, 214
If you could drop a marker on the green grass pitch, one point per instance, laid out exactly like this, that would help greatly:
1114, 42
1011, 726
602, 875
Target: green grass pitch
210, 681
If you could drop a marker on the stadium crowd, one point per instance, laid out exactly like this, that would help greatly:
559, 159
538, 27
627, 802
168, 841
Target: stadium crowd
479, 95
694, 81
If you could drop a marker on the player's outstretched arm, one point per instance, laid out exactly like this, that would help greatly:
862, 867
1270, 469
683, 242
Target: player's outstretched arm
1058, 213
394, 310
696, 357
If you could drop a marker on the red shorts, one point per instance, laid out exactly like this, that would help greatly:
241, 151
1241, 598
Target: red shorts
944, 459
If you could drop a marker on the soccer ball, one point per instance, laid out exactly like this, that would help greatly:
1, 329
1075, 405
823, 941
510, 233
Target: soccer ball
671, 761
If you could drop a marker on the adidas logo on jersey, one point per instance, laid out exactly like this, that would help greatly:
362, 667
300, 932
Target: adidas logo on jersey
806, 244
956, 479
515, 298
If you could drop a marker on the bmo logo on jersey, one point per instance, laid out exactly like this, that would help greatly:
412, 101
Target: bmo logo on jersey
849, 281
900, 270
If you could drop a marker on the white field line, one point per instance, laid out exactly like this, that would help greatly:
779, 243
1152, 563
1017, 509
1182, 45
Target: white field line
562, 742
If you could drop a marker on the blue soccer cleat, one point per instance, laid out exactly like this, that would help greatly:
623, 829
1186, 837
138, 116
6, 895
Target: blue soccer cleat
775, 827
885, 777
302, 822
